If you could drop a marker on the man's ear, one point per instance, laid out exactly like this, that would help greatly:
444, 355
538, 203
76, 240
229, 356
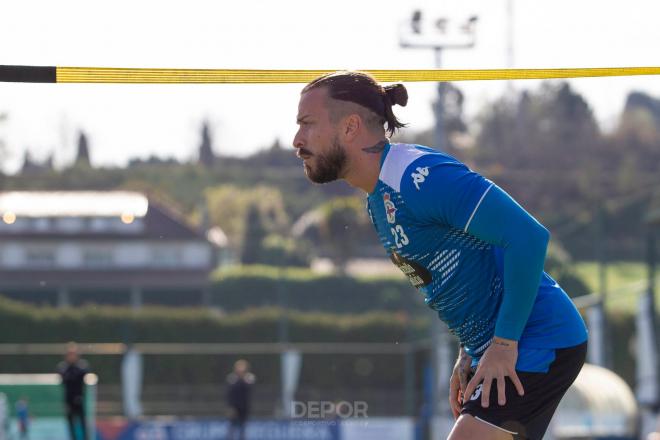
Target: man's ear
352, 126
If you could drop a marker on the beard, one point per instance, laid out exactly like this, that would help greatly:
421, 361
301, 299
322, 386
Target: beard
329, 166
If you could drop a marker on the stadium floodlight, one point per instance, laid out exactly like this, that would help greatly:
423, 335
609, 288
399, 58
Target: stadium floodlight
469, 26
442, 33
441, 25
416, 21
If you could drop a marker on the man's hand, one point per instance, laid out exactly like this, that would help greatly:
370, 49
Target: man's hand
498, 361
458, 382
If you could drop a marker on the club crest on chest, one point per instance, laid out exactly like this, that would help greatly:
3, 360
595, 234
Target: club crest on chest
390, 209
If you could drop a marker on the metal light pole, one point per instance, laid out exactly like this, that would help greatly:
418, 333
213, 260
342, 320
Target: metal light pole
596, 317
438, 36
648, 379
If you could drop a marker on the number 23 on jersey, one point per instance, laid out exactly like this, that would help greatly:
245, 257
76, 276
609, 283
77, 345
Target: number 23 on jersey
400, 237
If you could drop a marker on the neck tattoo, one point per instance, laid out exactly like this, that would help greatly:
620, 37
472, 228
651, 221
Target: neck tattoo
380, 146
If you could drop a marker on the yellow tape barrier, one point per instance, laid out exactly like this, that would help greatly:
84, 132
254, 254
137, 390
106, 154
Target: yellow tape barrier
235, 76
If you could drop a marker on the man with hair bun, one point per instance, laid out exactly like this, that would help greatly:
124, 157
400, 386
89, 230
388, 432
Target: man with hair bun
475, 254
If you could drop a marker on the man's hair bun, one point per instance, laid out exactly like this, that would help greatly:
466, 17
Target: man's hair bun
362, 89
397, 94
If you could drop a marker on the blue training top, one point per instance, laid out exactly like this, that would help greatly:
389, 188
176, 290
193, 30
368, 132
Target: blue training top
475, 254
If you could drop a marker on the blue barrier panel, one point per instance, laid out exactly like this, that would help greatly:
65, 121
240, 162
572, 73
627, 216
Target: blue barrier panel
219, 429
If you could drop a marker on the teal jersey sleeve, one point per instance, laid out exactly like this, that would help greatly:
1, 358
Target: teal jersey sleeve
442, 190
502, 221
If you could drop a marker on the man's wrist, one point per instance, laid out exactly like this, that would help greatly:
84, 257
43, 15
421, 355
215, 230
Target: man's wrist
504, 343
462, 354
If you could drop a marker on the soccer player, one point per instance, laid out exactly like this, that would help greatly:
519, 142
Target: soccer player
23, 417
72, 371
239, 398
474, 253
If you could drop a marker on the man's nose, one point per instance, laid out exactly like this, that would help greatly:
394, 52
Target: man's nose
298, 141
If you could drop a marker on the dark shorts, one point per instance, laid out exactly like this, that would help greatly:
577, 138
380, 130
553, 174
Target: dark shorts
75, 408
239, 417
528, 416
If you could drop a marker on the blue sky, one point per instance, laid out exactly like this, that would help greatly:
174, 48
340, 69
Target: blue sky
125, 121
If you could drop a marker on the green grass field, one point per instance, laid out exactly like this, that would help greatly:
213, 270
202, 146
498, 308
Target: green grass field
625, 281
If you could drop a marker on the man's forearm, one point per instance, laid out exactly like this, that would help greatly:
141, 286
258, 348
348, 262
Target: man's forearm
504, 223
462, 368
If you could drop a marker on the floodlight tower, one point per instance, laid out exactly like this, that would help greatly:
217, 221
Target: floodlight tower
439, 34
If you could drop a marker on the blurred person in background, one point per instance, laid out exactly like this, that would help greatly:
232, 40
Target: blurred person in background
23, 417
239, 396
72, 371
474, 253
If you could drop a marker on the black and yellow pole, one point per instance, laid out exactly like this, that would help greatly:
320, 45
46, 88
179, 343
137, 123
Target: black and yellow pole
28, 74
110, 75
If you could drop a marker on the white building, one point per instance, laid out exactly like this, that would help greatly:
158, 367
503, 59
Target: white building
65, 243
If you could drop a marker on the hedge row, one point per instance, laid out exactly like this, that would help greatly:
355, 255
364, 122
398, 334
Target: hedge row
244, 287
22, 323
258, 286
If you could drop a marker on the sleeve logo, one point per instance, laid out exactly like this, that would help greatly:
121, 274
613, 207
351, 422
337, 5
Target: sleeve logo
420, 176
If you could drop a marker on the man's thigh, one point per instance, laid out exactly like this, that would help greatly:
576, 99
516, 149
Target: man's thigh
468, 427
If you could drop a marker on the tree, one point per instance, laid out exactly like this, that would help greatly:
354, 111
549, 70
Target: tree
206, 155
32, 166
3, 118
543, 146
277, 156
546, 149
255, 233
537, 130
637, 137
82, 155
261, 247
343, 226
3, 150
229, 206
559, 264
